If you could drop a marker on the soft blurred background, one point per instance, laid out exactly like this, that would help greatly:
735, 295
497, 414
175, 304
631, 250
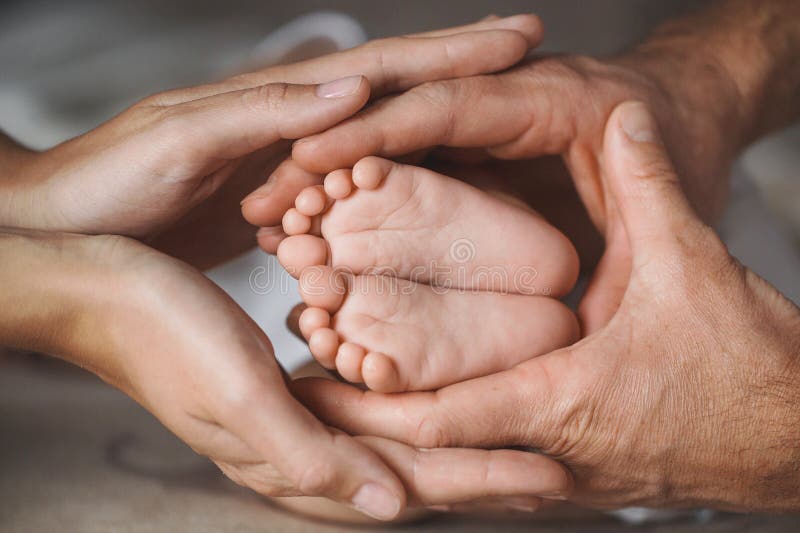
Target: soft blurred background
77, 455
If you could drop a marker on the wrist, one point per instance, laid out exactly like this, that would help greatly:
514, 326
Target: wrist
700, 91
56, 296
736, 60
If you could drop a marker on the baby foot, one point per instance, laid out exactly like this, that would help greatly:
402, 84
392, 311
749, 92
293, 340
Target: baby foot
415, 224
380, 309
398, 335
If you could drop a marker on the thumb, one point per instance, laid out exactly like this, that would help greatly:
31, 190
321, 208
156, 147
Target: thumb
644, 187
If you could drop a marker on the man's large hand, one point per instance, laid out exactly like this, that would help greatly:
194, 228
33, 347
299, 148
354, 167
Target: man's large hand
688, 396
548, 106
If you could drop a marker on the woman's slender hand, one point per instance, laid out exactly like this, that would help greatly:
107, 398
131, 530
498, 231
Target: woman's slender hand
151, 165
167, 336
689, 396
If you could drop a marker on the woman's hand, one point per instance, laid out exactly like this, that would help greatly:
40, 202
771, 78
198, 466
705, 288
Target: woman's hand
689, 396
167, 336
151, 165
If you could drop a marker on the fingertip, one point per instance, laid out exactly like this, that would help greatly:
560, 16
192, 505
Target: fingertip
379, 502
530, 26
270, 238
344, 87
257, 210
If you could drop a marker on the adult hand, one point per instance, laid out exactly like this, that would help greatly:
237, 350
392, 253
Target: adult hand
689, 396
148, 167
555, 106
167, 336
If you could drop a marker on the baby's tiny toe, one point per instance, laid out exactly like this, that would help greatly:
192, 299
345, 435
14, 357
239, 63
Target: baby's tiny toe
339, 184
323, 345
312, 319
323, 287
380, 373
311, 201
348, 362
370, 171
297, 252
295, 222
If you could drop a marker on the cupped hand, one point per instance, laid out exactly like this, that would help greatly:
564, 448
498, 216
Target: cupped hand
151, 165
687, 397
168, 337
547, 106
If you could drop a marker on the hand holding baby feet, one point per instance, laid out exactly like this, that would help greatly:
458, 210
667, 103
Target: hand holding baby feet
393, 261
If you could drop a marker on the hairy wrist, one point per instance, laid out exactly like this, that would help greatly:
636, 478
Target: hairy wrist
735, 61
700, 90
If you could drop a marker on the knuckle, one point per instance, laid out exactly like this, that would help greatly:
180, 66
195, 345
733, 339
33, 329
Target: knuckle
153, 100
241, 82
441, 93
270, 98
655, 168
174, 126
379, 44
237, 398
430, 433
317, 478
440, 97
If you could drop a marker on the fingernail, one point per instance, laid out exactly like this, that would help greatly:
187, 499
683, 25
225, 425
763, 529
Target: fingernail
269, 231
439, 508
339, 88
376, 501
553, 496
522, 503
251, 196
638, 123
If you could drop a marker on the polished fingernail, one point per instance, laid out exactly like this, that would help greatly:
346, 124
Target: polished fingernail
339, 88
377, 502
638, 124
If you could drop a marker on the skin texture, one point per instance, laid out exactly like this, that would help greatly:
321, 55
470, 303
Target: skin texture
160, 331
701, 389
172, 340
715, 80
406, 273
156, 170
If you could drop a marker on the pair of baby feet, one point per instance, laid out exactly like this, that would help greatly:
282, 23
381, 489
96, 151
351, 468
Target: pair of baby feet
415, 280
